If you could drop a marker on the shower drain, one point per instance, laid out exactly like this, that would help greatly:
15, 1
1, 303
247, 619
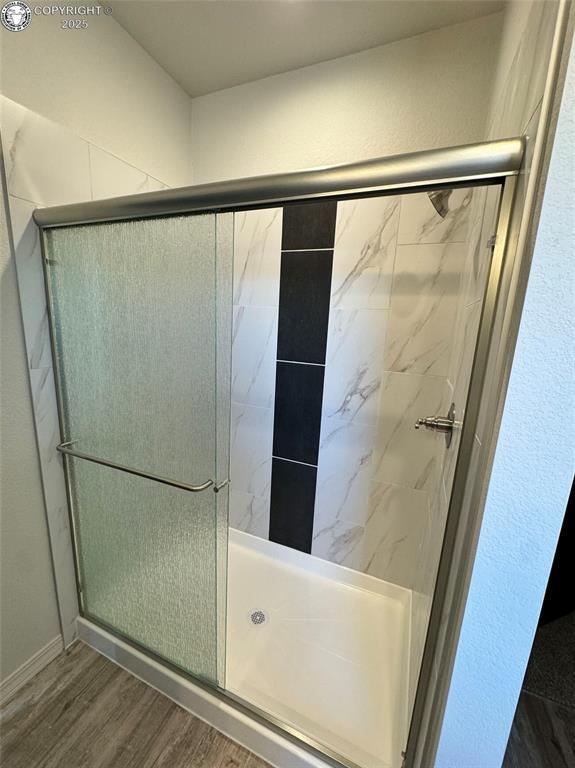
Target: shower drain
258, 617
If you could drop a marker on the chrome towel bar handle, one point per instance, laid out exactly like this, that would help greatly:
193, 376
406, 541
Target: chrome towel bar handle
66, 449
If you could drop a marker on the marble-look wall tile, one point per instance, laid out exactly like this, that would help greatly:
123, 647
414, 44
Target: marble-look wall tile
365, 239
403, 455
112, 177
393, 533
480, 247
482, 218
47, 425
472, 264
354, 364
48, 436
388, 355
420, 222
257, 257
256, 279
28, 257
426, 287
387, 546
431, 543
464, 353
338, 541
483, 224
249, 513
375, 472
344, 470
424, 584
45, 163
251, 449
537, 49
457, 391
524, 84
254, 355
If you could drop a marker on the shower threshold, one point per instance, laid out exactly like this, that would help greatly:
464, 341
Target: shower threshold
320, 647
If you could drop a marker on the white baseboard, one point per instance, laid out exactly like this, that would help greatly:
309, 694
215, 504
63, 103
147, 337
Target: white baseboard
214, 710
26, 672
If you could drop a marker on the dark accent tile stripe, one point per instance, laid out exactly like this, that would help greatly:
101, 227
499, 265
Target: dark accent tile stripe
308, 237
305, 286
292, 503
297, 416
309, 225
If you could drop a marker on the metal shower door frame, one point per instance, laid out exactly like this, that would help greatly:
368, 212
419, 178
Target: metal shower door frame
491, 163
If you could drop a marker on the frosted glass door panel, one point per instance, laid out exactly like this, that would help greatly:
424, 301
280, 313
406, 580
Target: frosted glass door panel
147, 556
134, 309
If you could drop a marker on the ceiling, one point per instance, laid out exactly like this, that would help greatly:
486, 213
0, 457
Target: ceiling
207, 45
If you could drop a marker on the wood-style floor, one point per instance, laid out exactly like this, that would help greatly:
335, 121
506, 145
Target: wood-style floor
82, 711
542, 736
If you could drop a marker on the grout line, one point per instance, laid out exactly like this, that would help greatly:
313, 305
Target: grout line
249, 405
303, 250
299, 362
25, 200
410, 488
472, 303
441, 242
417, 375
526, 124
293, 461
116, 157
90, 170
334, 308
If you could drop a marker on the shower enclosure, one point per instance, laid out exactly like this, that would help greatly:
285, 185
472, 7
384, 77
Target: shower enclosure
268, 394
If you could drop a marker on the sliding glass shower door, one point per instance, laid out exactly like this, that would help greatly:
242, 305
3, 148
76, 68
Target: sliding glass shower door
134, 310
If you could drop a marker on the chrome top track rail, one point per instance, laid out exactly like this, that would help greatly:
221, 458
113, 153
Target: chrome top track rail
454, 165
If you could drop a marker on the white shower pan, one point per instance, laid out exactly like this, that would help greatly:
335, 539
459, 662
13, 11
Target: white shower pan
320, 647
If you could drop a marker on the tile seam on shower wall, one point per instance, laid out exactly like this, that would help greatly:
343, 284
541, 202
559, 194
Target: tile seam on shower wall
90, 171
302, 250
473, 303
293, 461
308, 237
299, 362
25, 199
80, 136
430, 242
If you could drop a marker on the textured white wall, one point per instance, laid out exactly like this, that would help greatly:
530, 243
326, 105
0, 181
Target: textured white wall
29, 618
530, 482
101, 84
427, 91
